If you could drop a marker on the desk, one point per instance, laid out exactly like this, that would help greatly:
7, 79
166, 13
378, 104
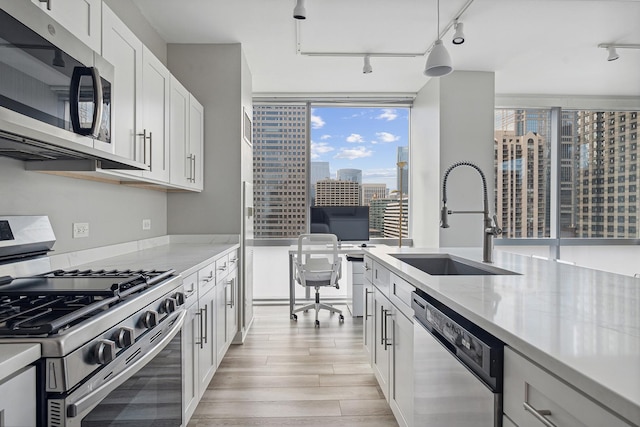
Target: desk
353, 250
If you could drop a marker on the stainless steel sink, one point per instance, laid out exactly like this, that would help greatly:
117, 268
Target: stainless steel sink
449, 265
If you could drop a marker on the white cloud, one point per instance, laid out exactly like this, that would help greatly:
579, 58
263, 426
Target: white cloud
388, 114
316, 121
353, 153
372, 174
354, 137
325, 137
320, 148
387, 137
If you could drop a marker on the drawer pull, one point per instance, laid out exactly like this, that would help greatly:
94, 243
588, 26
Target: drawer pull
539, 414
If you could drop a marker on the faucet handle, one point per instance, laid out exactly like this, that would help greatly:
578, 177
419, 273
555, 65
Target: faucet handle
496, 228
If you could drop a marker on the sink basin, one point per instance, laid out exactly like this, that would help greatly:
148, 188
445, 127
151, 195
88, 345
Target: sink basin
448, 265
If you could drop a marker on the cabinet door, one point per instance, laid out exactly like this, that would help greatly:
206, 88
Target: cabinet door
181, 163
221, 319
18, 403
191, 339
401, 382
156, 81
368, 319
231, 293
81, 17
381, 352
124, 50
196, 142
207, 354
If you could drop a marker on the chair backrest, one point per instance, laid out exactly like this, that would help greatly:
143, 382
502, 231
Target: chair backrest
318, 262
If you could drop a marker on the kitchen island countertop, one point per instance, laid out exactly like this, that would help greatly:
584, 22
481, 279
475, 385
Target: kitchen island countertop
14, 357
582, 325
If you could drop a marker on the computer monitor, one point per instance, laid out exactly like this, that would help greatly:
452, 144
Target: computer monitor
348, 223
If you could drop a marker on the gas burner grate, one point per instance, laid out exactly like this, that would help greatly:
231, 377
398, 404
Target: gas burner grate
49, 314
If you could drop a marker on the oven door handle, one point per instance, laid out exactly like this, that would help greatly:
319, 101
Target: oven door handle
88, 401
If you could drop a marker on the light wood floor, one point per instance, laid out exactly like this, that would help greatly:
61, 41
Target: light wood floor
290, 373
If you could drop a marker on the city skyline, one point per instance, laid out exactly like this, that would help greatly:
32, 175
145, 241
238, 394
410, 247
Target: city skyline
360, 138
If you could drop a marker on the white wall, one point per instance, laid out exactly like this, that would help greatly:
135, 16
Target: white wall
114, 213
214, 74
452, 120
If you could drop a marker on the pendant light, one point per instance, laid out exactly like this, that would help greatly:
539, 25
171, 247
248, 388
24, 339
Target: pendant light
300, 12
439, 61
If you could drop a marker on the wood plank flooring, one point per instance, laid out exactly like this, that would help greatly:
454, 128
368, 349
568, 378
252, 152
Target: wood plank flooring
290, 373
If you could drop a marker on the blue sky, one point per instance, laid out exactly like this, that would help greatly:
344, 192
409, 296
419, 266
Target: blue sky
360, 138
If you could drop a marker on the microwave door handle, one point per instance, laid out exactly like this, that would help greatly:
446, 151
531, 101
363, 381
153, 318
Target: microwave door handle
74, 97
98, 99
89, 401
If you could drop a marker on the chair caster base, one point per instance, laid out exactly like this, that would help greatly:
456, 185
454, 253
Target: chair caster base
317, 323
341, 318
294, 317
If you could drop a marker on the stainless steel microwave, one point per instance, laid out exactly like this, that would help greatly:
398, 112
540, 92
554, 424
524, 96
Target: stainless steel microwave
52, 86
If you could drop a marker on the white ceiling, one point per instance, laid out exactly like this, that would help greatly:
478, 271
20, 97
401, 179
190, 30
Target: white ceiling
546, 47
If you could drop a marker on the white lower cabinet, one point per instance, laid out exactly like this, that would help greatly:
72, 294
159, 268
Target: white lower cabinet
392, 349
190, 338
16, 410
535, 398
367, 319
206, 347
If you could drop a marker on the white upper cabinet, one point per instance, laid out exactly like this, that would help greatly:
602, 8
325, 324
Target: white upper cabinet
124, 50
81, 17
186, 130
156, 82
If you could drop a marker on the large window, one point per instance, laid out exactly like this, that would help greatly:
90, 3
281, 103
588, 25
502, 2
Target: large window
596, 175
327, 156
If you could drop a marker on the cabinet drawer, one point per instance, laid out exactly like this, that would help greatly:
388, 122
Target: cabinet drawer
381, 278
400, 294
190, 285
233, 259
528, 388
367, 265
206, 278
222, 266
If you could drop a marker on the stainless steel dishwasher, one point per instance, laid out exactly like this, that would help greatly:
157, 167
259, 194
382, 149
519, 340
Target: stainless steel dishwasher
457, 368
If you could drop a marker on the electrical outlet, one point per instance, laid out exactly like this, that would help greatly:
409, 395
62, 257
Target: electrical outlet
146, 224
80, 229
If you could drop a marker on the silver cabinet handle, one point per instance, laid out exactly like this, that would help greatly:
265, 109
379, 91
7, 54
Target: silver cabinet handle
150, 151
48, 2
192, 166
386, 330
208, 278
223, 267
231, 297
193, 159
366, 302
144, 147
539, 414
206, 322
366, 267
201, 342
381, 325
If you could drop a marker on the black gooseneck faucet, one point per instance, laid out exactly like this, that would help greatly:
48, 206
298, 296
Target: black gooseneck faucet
490, 226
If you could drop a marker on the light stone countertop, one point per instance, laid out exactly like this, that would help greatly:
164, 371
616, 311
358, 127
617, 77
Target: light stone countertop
14, 357
580, 324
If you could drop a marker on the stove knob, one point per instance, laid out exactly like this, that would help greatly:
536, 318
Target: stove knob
104, 352
123, 337
169, 305
150, 319
179, 297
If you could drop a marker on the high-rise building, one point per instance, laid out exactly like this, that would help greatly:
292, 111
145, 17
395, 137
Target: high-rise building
377, 207
330, 192
353, 175
607, 174
319, 170
280, 170
403, 156
370, 191
392, 224
520, 183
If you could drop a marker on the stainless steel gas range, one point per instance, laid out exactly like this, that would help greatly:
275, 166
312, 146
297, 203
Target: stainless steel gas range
111, 340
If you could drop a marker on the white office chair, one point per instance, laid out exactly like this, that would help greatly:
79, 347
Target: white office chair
318, 269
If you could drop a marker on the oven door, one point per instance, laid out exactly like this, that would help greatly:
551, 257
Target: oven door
141, 387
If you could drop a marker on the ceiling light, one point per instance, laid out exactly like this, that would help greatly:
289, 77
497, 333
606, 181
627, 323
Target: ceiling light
299, 12
367, 65
439, 61
458, 37
613, 55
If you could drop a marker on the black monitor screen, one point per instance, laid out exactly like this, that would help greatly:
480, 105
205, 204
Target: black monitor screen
348, 223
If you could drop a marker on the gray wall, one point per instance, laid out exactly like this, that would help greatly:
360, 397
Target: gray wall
452, 120
114, 212
213, 73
